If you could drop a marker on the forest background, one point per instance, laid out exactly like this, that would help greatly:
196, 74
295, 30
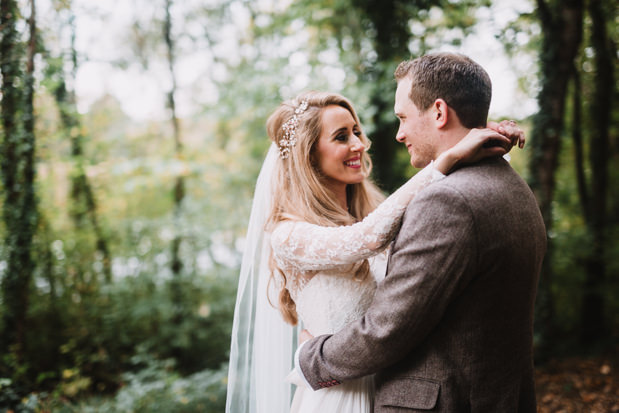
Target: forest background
132, 133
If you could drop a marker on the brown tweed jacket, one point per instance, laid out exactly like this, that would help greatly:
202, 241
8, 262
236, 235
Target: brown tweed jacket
451, 326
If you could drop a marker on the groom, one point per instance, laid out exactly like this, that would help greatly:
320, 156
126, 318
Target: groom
451, 326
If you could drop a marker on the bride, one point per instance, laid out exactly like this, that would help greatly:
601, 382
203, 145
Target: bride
315, 249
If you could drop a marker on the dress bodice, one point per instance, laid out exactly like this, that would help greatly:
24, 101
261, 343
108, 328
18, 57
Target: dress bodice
332, 299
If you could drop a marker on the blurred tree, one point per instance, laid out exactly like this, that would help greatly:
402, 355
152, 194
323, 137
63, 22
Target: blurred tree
576, 66
594, 194
387, 25
18, 173
179, 184
561, 23
84, 203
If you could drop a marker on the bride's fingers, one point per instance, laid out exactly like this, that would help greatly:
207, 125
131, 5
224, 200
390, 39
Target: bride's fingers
481, 143
521, 140
504, 127
492, 125
511, 129
492, 138
485, 134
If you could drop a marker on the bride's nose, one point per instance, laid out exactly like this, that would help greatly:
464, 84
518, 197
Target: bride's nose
356, 145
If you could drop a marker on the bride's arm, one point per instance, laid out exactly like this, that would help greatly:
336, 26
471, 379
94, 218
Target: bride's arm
304, 246
309, 247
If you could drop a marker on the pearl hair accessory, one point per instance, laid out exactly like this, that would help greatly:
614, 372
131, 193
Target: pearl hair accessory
290, 131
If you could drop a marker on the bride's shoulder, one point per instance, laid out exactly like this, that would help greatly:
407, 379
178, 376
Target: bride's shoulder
283, 226
281, 231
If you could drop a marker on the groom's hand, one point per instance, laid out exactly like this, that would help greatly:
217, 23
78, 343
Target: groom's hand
304, 336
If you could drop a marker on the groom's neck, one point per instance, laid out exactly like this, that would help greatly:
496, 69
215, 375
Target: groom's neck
450, 136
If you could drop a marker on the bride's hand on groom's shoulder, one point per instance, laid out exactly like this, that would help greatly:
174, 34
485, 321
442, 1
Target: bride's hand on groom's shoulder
495, 140
511, 130
475, 146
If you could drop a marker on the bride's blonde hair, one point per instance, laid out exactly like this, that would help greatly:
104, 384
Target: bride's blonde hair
299, 192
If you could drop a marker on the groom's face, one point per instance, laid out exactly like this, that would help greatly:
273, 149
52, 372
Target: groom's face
416, 128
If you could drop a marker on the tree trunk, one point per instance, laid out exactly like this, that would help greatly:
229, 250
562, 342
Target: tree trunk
392, 34
84, 201
18, 171
562, 32
179, 185
593, 318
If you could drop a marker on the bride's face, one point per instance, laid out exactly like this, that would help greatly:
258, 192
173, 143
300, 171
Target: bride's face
339, 148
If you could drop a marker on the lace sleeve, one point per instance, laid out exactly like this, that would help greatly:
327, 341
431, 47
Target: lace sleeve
308, 247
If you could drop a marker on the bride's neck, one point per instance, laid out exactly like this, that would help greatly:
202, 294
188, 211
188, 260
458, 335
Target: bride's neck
342, 198
339, 193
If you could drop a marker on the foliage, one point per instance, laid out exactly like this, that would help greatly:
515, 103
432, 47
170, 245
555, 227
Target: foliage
93, 333
154, 388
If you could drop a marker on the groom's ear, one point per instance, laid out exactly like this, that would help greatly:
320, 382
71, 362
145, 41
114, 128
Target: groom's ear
440, 113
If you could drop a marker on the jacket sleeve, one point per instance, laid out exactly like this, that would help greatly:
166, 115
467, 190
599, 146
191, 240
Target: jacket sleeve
432, 260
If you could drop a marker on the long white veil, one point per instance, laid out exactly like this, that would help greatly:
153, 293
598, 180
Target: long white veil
263, 345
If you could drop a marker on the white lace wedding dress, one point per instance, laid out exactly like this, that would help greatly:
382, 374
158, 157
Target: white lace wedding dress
320, 264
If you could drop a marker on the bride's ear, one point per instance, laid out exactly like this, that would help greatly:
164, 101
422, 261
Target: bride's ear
440, 113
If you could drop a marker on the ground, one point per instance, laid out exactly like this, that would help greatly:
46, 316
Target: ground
578, 385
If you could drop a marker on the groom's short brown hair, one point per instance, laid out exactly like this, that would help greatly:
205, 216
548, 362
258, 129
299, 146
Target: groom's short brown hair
462, 83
